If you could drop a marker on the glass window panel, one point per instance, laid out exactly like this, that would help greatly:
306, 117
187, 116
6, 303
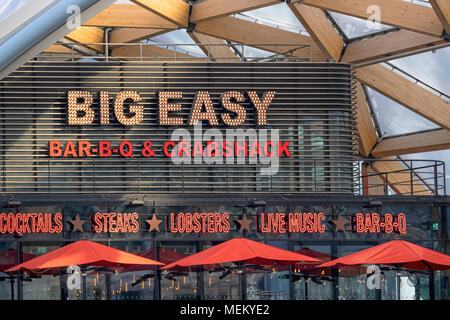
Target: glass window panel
9, 7
355, 27
278, 15
430, 67
394, 119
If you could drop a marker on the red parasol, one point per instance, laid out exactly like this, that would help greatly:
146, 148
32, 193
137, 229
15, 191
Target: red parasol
396, 253
8, 258
244, 251
84, 252
311, 269
164, 255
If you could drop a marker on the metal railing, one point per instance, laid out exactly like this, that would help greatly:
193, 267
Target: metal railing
312, 176
140, 51
413, 177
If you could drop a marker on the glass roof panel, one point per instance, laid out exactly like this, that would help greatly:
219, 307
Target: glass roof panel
394, 119
355, 27
431, 67
180, 37
8, 7
278, 15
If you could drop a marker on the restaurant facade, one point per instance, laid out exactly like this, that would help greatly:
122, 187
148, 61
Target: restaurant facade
165, 159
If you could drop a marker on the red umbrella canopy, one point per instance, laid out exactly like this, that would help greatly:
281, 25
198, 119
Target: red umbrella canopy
164, 255
406, 254
241, 250
8, 258
350, 271
84, 252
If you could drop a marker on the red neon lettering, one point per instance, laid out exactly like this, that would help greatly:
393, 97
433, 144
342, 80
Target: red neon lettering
104, 149
58, 222
98, 222
401, 222
198, 149
266, 149
321, 225
70, 150
388, 219
84, 149
238, 148
166, 151
255, 150
54, 148
172, 223
283, 148
210, 147
227, 148
359, 222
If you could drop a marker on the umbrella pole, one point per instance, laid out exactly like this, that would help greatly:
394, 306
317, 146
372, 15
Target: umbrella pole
11, 279
306, 288
242, 282
83, 283
398, 282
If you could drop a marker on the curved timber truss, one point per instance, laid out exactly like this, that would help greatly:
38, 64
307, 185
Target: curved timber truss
415, 29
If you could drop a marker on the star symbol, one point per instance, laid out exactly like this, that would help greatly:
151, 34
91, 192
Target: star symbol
77, 223
340, 223
154, 223
244, 223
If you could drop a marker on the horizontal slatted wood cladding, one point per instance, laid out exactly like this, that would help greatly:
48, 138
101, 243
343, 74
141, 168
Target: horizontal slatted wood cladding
312, 108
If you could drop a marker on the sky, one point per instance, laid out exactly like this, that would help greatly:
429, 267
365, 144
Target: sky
431, 67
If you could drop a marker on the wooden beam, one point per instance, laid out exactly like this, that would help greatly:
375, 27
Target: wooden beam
399, 181
390, 46
126, 35
320, 29
396, 13
220, 53
57, 48
406, 93
175, 11
212, 9
150, 53
129, 16
413, 143
442, 9
365, 127
372, 183
88, 35
260, 36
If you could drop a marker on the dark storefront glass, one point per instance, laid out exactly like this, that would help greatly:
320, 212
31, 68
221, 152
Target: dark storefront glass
426, 226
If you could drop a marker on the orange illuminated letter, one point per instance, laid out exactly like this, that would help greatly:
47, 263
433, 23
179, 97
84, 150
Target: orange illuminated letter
137, 109
165, 107
261, 106
203, 99
75, 106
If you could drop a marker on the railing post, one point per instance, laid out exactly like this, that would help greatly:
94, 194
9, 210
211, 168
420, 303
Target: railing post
386, 185
445, 184
93, 173
411, 177
436, 186
315, 176
48, 175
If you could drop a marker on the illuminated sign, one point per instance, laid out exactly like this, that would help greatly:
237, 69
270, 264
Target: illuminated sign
80, 111
376, 223
206, 222
199, 222
116, 222
23, 223
292, 222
